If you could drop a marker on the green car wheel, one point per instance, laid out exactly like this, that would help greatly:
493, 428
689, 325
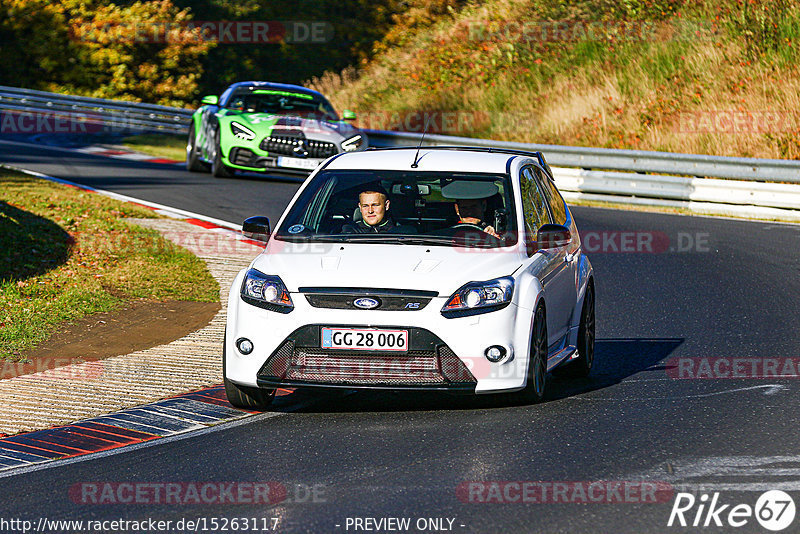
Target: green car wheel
193, 163
218, 169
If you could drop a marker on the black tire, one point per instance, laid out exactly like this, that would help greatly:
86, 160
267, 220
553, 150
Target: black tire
193, 163
536, 381
582, 365
247, 398
218, 169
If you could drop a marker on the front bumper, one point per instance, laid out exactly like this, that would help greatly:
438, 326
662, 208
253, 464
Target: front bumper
247, 159
429, 364
444, 354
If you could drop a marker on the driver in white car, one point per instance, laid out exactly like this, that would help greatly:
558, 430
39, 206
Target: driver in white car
471, 200
373, 203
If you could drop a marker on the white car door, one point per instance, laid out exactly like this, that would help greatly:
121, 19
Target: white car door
557, 274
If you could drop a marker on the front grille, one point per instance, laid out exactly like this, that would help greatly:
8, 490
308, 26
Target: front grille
296, 145
319, 365
347, 302
243, 157
429, 362
344, 298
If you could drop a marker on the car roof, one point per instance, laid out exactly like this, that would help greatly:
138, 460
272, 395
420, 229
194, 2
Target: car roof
276, 86
431, 160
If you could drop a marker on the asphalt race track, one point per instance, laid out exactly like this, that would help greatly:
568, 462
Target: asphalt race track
711, 288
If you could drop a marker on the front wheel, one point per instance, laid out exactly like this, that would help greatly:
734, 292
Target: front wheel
582, 365
218, 169
536, 380
193, 163
247, 398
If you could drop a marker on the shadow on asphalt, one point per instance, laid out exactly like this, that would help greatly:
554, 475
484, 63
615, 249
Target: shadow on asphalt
616, 360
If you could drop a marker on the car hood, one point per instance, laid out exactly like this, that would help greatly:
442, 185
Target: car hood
266, 123
428, 268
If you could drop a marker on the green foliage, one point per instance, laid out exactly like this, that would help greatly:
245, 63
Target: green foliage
100, 49
356, 25
768, 27
138, 50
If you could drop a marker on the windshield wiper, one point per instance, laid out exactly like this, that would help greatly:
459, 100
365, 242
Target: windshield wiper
399, 239
391, 239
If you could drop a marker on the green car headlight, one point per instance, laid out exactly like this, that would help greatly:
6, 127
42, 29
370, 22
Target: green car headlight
242, 132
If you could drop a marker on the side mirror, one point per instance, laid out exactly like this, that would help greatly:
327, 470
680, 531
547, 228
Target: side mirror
256, 228
553, 236
349, 115
211, 100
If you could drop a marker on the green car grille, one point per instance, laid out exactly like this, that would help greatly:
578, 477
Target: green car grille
297, 146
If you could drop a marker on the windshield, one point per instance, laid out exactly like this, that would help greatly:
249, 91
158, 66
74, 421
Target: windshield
283, 103
406, 207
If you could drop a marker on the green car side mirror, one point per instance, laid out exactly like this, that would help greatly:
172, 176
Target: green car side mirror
349, 115
211, 100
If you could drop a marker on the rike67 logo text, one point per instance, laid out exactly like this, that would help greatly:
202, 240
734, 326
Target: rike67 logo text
774, 510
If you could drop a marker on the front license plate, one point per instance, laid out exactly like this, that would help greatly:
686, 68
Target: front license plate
365, 339
299, 163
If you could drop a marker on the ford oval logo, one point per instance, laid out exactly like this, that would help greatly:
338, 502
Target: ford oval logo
366, 303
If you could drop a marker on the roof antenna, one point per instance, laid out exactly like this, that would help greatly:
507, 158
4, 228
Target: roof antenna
416, 156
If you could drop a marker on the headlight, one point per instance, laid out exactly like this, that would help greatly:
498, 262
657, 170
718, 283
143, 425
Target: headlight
354, 143
265, 291
242, 132
480, 297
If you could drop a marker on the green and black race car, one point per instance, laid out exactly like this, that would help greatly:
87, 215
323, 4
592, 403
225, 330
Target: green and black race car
262, 126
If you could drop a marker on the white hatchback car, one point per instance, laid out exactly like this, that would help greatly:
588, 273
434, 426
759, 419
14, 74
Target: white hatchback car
440, 269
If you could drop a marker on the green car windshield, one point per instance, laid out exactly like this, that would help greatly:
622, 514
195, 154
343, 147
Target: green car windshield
283, 103
422, 209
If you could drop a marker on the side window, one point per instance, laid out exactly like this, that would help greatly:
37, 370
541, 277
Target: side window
534, 206
557, 206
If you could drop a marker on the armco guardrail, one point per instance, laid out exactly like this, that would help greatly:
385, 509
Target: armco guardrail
755, 169
112, 116
750, 186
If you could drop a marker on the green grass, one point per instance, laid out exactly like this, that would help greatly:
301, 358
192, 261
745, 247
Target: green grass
159, 145
66, 254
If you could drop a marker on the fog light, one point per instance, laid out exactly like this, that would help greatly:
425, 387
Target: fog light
244, 345
495, 353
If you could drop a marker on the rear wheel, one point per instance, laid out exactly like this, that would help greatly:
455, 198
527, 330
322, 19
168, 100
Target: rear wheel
193, 163
582, 365
248, 398
218, 169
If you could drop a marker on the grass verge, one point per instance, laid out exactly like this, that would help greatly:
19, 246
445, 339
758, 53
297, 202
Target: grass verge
67, 253
159, 145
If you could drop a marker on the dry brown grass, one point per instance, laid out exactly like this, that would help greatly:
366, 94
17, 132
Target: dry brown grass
635, 97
